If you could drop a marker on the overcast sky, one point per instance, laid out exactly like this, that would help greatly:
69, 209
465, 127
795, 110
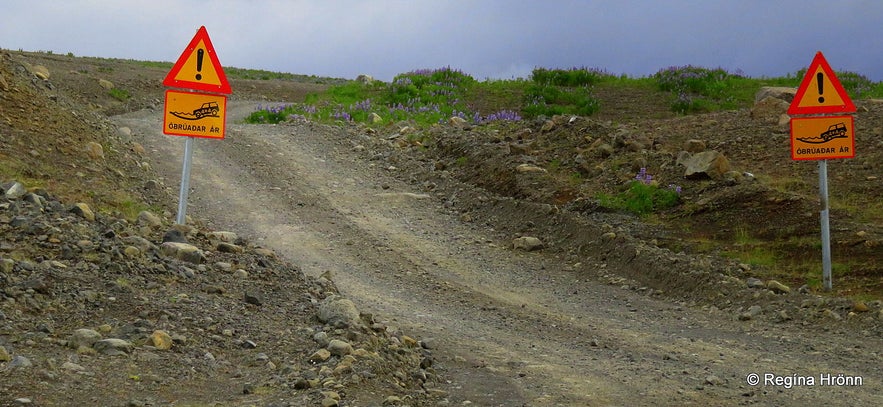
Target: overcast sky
486, 39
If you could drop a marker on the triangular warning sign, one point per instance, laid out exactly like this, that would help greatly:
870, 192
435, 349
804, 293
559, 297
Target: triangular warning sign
820, 91
198, 67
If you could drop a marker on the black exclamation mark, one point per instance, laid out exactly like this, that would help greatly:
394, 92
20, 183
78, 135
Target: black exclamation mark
199, 54
820, 80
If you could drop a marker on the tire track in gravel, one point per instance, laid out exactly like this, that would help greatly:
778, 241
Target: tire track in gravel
510, 328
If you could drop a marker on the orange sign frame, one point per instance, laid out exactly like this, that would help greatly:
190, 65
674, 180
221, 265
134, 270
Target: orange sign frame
198, 67
194, 114
822, 138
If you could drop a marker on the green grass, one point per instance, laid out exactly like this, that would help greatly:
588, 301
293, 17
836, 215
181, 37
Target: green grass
120, 94
430, 96
640, 198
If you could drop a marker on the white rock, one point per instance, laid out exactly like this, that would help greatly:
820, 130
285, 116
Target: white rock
83, 337
338, 311
527, 243
338, 347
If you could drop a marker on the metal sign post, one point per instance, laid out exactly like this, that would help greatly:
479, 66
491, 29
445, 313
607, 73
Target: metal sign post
826, 228
195, 114
185, 182
815, 137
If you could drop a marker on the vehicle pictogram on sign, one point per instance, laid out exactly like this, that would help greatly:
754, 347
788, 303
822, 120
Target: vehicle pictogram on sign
822, 138
198, 67
209, 109
834, 131
820, 91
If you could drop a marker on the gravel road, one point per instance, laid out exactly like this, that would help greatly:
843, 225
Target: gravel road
509, 327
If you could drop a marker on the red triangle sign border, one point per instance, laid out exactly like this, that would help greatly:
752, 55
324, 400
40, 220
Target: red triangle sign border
201, 35
820, 62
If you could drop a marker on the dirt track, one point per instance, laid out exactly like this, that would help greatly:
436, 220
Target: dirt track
511, 328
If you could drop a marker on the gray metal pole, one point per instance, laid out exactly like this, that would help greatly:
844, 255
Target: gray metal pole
185, 182
826, 228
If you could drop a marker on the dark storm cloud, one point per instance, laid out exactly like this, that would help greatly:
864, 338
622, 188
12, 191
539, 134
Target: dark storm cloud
498, 39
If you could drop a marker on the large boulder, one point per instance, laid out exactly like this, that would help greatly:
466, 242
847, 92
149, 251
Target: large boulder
338, 312
778, 92
707, 164
769, 109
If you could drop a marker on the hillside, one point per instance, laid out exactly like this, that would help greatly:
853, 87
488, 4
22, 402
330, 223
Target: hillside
430, 231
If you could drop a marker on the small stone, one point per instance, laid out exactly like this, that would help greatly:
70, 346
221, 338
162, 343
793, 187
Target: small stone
150, 219
694, 146
264, 252
338, 311
6, 265
713, 380
752, 312
392, 401
175, 236
183, 251
106, 84
225, 247
228, 237
253, 298
860, 306
409, 341
40, 71
778, 287
73, 367
321, 338
20, 362
95, 150
755, 283
782, 316
113, 346
339, 348
83, 337
131, 251
330, 402
527, 243
137, 148
83, 210
457, 121
161, 340
14, 190
320, 356
528, 168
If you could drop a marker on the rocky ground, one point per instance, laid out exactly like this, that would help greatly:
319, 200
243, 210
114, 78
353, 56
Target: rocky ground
103, 309
485, 271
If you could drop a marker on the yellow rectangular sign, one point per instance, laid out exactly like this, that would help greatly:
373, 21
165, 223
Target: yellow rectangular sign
194, 114
822, 138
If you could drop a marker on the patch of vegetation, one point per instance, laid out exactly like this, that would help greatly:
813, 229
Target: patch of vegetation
643, 196
429, 96
696, 89
423, 97
562, 91
120, 94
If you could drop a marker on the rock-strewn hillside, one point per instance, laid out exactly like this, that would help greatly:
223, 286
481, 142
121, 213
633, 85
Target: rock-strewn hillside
105, 304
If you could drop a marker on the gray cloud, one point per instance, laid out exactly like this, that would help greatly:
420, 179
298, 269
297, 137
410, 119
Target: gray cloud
493, 38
